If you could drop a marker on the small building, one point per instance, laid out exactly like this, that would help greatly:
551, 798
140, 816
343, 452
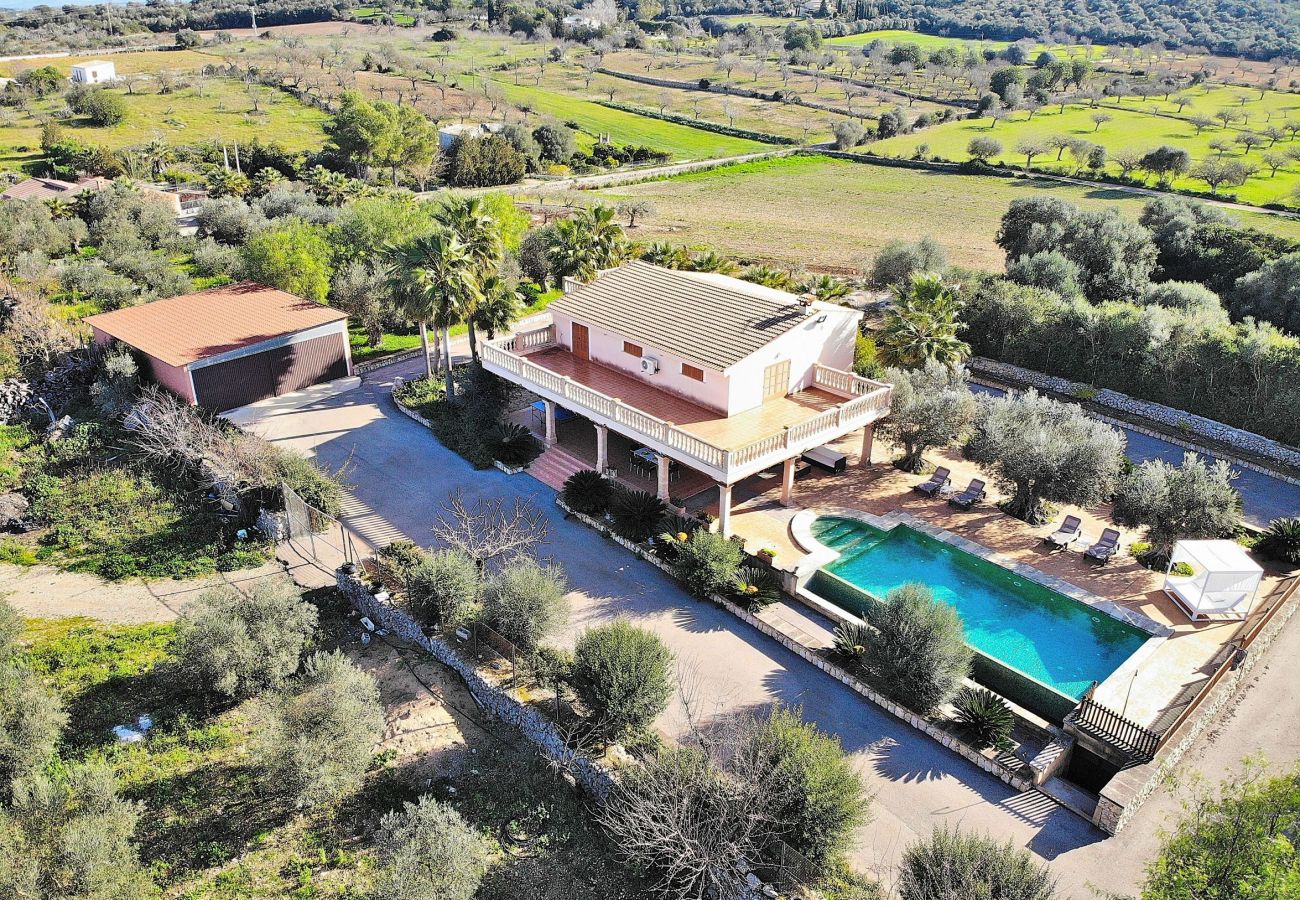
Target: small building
97, 71
574, 21
703, 379
41, 189
230, 346
449, 134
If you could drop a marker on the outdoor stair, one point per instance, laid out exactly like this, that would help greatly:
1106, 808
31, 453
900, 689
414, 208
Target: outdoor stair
555, 466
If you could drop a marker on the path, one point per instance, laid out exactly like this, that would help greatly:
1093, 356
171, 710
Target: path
400, 474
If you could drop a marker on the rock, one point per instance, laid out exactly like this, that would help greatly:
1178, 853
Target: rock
13, 511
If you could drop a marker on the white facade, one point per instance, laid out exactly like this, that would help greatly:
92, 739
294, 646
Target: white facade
94, 72
448, 134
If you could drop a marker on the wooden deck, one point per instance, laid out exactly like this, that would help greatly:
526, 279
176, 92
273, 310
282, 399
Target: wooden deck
727, 432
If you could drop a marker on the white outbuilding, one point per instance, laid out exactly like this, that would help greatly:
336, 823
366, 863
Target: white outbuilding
1223, 581
97, 71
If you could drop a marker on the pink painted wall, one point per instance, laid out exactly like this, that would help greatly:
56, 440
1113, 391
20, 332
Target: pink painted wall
175, 378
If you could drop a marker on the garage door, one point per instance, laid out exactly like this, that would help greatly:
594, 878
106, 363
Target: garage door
271, 373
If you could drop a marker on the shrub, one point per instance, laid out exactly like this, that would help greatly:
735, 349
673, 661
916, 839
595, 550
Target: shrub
1193, 501
917, 647
444, 587
1281, 540
31, 719
623, 675
636, 513
587, 492
708, 562
525, 602
756, 587
315, 739
953, 863
240, 645
428, 852
512, 444
985, 717
898, 261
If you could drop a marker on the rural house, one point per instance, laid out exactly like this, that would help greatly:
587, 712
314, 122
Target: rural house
96, 71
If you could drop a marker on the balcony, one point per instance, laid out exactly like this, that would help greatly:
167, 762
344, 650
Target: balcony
727, 448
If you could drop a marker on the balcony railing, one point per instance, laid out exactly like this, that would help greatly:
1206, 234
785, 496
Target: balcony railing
865, 400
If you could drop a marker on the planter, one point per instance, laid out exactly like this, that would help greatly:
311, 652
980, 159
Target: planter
507, 468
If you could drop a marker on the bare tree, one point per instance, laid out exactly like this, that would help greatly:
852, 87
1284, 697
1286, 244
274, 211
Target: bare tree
488, 529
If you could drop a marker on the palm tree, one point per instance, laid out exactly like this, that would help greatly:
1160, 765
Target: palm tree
59, 208
434, 279
772, 278
827, 289
587, 242
497, 310
480, 234
923, 325
713, 261
666, 255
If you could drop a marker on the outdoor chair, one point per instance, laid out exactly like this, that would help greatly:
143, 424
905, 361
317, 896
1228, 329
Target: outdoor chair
1066, 535
938, 482
969, 497
1107, 546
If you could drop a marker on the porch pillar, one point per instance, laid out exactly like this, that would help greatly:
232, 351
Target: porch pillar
724, 510
663, 477
868, 438
549, 407
787, 481
602, 448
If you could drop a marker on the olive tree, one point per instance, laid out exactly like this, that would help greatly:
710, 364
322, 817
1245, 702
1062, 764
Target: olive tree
525, 602
316, 737
623, 675
444, 587
916, 647
953, 863
1191, 501
898, 261
930, 407
428, 852
239, 644
1043, 451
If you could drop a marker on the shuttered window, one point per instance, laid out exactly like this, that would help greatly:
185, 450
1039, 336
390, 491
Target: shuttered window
691, 371
631, 349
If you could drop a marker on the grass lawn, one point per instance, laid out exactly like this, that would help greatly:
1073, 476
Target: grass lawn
817, 211
223, 112
1128, 129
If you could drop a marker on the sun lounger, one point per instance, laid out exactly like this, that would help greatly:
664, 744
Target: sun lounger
1066, 535
939, 481
969, 497
1107, 546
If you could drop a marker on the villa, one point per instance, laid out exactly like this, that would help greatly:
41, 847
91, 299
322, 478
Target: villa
693, 379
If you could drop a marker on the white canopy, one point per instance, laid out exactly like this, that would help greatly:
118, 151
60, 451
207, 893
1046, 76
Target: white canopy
1223, 582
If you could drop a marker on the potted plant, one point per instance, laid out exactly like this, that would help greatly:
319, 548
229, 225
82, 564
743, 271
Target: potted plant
767, 556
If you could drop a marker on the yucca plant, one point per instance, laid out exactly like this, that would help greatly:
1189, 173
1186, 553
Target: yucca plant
985, 717
636, 513
1281, 540
587, 492
757, 587
851, 640
512, 444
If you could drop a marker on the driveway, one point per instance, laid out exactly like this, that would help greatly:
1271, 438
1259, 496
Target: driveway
399, 476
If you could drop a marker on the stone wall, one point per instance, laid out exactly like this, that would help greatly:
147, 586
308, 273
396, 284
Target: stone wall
1192, 425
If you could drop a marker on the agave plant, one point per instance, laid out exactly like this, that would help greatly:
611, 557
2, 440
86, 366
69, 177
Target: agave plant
757, 587
512, 443
852, 640
587, 492
636, 513
985, 717
1282, 540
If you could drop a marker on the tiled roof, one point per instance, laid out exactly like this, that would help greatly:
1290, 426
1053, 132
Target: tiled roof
181, 330
712, 320
41, 189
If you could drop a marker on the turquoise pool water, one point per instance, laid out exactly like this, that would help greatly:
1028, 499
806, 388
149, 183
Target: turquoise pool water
1052, 638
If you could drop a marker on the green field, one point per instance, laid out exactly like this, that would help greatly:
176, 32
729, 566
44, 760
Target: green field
816, 211
218, 110
758, 21
1128, 129
935, 42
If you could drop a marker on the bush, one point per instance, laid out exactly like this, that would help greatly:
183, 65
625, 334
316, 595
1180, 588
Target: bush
953, 863
101, 107
240, 645
428, 852
636, 513
898, 261
985, 717
708, 563
1281, 540
917, 647
31, 719
444, 587
587, 492
525, 602
316, 738
316, 488
623, 675
756, 587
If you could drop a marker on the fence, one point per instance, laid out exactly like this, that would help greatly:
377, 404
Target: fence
1123, 734
319, 536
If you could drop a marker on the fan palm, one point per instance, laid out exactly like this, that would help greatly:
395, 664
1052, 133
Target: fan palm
434, 279
923, 325
828, 289
666, 255
480, 234
587, 242
497, 309
713, 262
772, 278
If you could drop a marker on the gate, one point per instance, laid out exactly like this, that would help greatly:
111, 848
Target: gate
319, 536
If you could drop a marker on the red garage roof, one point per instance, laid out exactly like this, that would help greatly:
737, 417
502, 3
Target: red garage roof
181, 330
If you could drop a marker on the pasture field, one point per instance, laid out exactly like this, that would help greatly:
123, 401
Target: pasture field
937, 42
821, 212
1128, 129
758, 21
218, 110
141, 61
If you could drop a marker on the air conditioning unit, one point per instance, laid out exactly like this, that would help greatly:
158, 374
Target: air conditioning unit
649, 365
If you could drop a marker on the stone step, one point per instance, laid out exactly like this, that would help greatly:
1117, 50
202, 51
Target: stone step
554, 467
1071, 796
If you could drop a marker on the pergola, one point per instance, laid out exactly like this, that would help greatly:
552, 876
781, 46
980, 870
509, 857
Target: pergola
1223, 583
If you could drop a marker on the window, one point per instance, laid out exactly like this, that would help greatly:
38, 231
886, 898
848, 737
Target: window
692, 372
631, 349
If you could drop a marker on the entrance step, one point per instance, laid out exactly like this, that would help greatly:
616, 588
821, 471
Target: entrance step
1071, 796
554, 467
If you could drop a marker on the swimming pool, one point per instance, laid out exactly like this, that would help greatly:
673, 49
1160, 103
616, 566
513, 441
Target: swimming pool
1053, 639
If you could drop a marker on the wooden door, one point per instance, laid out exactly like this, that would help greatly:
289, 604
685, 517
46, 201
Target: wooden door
581, 341
776, 380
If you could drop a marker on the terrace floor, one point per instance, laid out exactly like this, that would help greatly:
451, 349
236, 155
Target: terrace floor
1164, 683
727, 432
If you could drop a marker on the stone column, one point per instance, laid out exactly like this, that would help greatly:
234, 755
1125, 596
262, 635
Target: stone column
724, 510
602, 448
868, 438
549, 406
663, 477
787, 481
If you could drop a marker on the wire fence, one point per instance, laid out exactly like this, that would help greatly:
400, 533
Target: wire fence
318, 536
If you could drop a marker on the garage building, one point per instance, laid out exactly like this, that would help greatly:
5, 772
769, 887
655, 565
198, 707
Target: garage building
229, 346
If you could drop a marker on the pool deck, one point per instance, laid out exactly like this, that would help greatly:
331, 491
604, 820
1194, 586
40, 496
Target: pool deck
1151, 694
